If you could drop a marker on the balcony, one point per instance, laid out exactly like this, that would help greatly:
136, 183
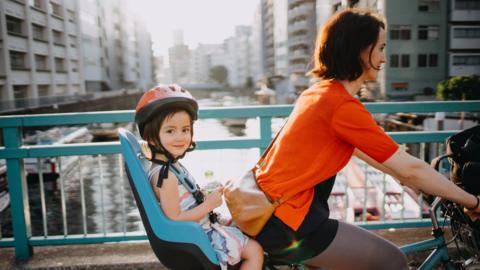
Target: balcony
299, 55
298, 26
296, 42
297, 68
303, 11
15, 151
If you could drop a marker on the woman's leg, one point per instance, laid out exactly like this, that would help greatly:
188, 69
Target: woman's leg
252, 256
356, 248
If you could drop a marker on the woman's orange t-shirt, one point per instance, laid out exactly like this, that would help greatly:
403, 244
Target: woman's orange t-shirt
318, 140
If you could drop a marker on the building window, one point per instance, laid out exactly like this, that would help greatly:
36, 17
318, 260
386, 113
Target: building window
57, 37
422, 60
397, 60
20, 91
43, 90
405, 60
433, 60
401, 86
466, 60
71, 16
56, 9
61, 89
394, 60
467, 4
428, 60
400, 32
428, 5
60, 64
38, 32
37, 4
428, 32
40, 62
74, 65
14, 25
17, 60
473, 32
72, 41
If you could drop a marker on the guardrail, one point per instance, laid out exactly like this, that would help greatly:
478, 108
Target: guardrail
15, 152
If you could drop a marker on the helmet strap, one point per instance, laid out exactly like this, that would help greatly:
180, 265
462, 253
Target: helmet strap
170, 160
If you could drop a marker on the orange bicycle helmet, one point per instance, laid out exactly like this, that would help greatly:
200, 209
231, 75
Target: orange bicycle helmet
160, 97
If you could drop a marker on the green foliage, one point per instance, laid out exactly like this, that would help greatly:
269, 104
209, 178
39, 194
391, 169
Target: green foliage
218, 74
459, 88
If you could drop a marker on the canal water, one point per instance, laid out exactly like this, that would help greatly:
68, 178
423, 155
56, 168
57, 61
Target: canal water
108, 201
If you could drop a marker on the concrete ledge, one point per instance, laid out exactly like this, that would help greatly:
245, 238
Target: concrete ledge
140, 256
98, 256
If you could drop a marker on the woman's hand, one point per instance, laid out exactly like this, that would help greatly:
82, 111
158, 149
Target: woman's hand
214, 199
147, 153
474, 214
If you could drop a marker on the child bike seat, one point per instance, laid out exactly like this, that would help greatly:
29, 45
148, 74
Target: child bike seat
177, 244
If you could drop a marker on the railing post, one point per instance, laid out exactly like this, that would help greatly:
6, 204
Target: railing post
265, 131
17, 187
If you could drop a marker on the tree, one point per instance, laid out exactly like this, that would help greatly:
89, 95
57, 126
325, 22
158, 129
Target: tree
459, 88
218, 74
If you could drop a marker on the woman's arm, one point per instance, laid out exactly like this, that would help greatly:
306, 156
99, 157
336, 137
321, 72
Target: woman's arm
419, 175
170, 201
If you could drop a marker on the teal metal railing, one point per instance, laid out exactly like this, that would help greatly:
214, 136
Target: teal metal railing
14, 152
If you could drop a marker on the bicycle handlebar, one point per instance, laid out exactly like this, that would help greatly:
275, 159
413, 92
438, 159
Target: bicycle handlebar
433, 210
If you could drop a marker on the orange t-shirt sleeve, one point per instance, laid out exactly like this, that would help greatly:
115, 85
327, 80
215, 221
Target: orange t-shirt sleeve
353, 124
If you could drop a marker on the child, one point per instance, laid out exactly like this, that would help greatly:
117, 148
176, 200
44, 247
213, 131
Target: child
165, 116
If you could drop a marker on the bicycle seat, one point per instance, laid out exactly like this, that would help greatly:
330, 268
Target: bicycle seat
177, 244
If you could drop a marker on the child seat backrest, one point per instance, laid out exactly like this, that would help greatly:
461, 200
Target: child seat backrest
177, 244
463, 149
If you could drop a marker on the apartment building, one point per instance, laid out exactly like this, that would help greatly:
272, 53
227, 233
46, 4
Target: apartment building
54, 48
117, 48
256, 43
302, 31
238, 56
40, 44
464, 38
268, 42
416, 48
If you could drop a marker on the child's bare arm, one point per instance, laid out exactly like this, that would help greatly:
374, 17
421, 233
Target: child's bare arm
170, 201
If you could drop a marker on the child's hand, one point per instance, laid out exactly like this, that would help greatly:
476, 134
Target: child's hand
147, 153
214, 199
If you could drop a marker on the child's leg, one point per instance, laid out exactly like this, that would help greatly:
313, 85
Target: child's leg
252, 256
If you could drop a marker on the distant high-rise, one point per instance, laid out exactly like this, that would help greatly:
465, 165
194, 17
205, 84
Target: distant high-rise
238, 60
302, 31
179, 59
117, 49
178, 37
268, 42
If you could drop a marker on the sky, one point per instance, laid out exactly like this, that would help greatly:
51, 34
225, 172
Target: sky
202, 21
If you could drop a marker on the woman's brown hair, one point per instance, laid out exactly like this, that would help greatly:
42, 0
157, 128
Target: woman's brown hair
341, 40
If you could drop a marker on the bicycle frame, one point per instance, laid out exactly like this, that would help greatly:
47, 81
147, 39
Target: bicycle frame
440, 252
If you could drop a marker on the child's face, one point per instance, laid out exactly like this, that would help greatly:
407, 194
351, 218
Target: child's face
175, 133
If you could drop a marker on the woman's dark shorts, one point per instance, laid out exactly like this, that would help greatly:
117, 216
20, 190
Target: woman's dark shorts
314, 235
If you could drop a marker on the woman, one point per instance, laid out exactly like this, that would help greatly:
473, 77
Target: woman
327, 126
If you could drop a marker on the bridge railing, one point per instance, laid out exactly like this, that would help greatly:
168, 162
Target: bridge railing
15, 152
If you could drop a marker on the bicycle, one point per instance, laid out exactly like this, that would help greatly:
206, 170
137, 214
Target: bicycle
465, 234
